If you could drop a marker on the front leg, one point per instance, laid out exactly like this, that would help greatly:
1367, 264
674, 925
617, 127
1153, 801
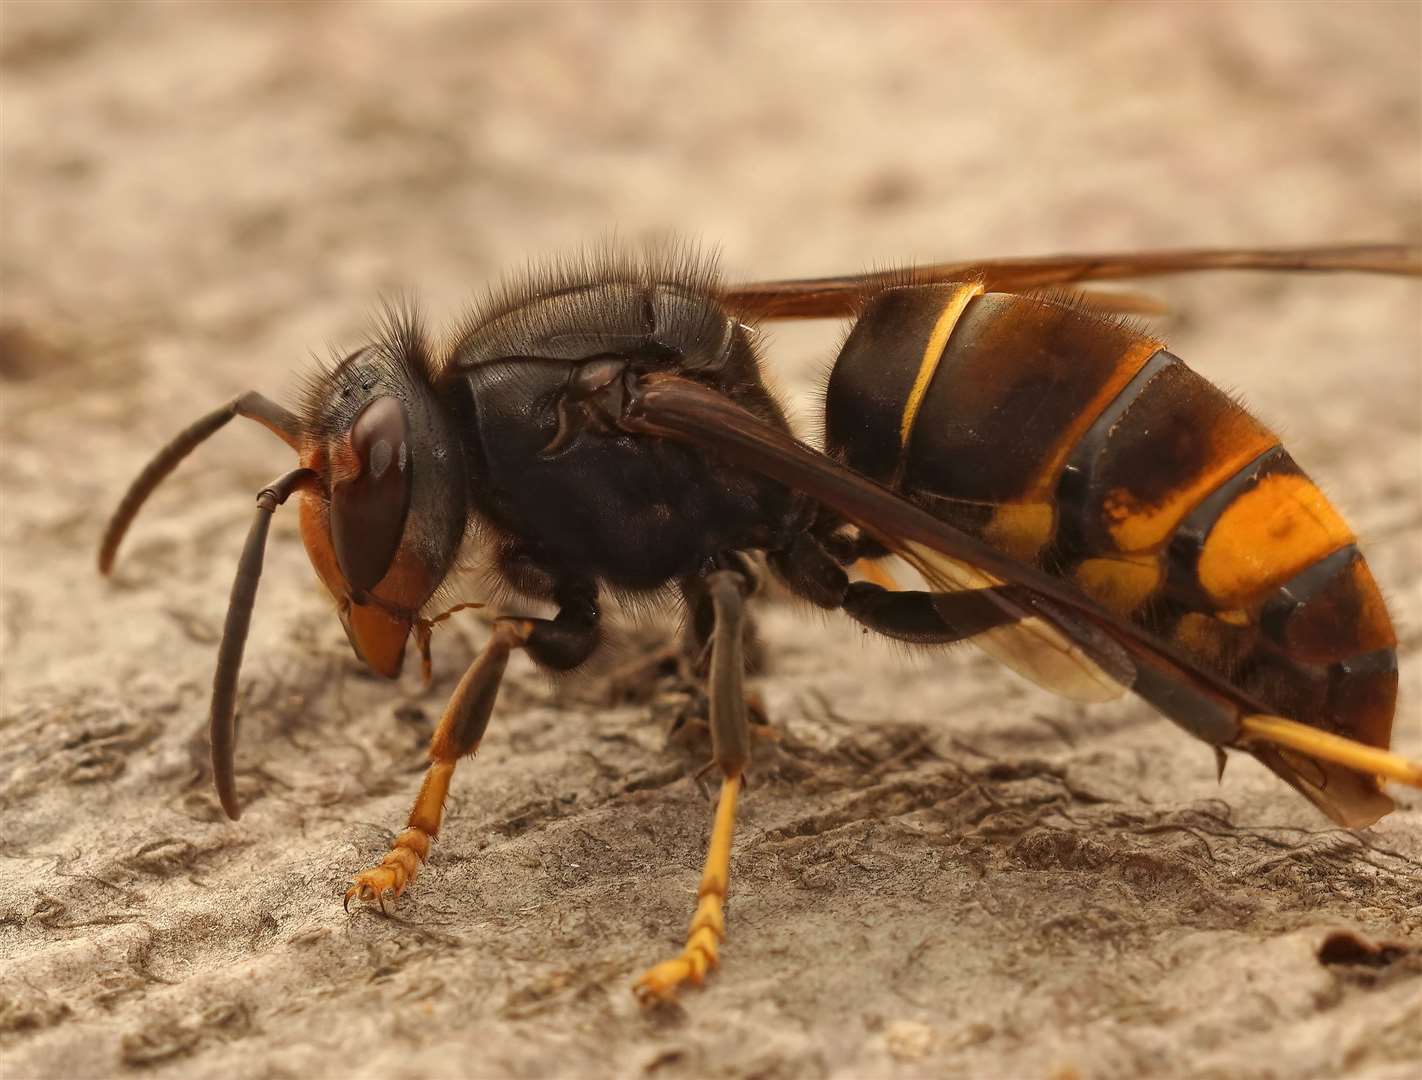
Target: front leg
560, 643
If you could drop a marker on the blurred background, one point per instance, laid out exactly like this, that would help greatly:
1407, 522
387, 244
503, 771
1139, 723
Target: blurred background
262, 171
197, 198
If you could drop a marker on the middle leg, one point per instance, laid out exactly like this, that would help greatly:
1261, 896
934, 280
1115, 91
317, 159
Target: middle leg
730, 752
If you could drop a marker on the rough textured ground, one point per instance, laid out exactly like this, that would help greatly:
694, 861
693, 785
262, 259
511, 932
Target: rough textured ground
940, 870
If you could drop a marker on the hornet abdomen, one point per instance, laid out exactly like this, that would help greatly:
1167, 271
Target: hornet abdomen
1079, 444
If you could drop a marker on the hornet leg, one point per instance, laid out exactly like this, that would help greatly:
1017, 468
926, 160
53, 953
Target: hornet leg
918, 618
561, 643
676, 666
730, 748
691, 714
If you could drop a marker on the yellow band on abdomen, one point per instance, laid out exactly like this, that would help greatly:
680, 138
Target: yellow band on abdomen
933, 352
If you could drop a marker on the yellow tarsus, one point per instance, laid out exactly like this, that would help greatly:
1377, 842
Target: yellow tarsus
412, 846
708, 925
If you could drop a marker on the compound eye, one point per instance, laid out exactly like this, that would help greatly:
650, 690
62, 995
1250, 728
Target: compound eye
368, 510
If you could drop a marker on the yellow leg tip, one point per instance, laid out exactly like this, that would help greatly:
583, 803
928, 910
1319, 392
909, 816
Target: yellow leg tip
709, 916
395, 871
704, 940
708, 924
662, 982
701, 962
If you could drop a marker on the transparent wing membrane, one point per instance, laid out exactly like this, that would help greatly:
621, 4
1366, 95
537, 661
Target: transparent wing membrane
836, 297
1032, 646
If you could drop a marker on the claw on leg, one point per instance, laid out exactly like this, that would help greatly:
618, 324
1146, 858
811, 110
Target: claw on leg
708, 925
395, 871
411, 848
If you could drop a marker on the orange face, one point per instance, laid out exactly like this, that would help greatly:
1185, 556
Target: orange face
377, 619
